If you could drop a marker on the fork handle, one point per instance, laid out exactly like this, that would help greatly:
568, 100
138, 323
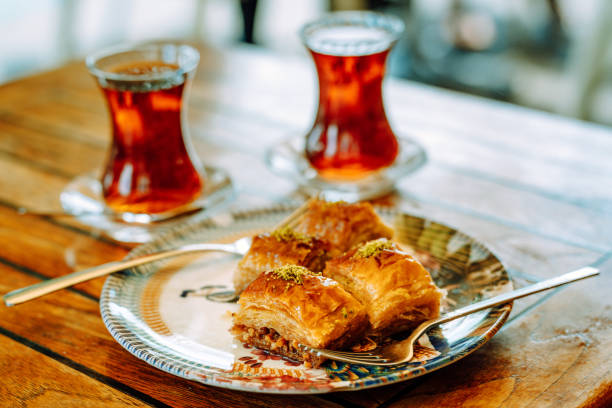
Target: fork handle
45, 287
582, 273
578, 274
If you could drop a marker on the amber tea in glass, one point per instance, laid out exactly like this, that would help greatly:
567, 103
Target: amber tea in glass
351, 136
150, 167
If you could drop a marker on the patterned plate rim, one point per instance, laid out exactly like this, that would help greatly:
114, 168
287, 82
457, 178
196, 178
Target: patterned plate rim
163, 360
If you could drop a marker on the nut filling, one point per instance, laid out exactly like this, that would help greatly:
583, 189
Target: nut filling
268, 339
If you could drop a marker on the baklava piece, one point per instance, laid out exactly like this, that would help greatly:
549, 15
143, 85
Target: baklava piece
397, 292
281, 247
342, 224
289, 306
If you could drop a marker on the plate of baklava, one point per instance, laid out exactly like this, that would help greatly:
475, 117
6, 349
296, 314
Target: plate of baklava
340, 276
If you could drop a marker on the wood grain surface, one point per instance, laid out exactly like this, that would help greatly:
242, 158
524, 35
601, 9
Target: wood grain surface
536, 188
51, 383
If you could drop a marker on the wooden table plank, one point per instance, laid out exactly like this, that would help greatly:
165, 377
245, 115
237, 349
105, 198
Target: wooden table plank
58, 251
61, 156
515, 128
40, 192
50, 383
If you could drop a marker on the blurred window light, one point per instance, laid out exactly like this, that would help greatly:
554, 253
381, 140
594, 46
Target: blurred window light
23, 48
553, 55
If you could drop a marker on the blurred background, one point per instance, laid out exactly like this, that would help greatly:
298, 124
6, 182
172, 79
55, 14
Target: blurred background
553, 55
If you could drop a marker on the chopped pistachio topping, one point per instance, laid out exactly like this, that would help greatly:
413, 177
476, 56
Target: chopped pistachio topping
293, 273
373, 248
344, 313
286, 234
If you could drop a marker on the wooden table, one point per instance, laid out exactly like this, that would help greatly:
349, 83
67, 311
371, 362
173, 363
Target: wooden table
535, 187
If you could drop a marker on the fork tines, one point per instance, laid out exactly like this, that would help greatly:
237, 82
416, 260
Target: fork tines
365, 357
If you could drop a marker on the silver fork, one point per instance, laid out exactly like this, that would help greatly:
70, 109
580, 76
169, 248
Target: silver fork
403, 351
238, 247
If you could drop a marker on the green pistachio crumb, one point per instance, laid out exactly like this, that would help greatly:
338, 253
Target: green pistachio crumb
373, 248
286, 234
291, 273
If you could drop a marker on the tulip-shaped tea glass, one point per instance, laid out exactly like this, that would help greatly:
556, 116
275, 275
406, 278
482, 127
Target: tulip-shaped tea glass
151, 173
350, 152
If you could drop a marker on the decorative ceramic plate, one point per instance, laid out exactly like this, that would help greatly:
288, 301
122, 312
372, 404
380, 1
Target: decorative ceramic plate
160, 312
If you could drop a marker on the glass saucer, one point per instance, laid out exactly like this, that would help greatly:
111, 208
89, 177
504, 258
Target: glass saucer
287, 159
82, 198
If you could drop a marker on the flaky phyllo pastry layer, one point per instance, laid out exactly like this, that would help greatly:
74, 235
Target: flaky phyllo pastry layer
342, 225
281, 247
397, 292
295, 306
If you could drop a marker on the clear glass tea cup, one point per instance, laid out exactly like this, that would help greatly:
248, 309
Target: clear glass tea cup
151, 167
350, 152
351, 136
152, 179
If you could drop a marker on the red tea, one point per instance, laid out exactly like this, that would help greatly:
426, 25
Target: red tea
150, 168
351, 136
